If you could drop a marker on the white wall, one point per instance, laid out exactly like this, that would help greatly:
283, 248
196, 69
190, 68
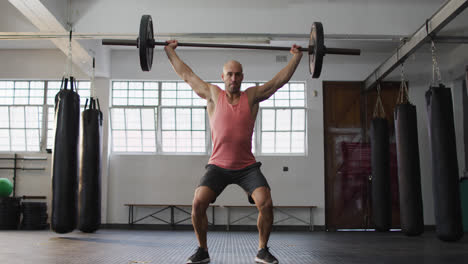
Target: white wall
268, 16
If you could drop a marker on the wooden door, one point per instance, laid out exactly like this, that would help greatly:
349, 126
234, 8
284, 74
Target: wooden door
347, 114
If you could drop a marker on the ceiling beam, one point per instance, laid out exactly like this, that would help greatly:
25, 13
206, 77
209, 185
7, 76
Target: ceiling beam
44, 20
434, 24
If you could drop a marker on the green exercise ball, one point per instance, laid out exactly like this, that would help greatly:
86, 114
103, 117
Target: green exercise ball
6, 187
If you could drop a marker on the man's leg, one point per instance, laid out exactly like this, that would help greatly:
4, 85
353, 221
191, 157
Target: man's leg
201, 200
262, 198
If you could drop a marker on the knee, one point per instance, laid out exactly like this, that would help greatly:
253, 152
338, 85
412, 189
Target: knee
199, 207
265, 206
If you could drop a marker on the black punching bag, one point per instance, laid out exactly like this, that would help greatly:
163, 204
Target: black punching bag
445, 180
380, 185
409, 173
90, 169
65, 159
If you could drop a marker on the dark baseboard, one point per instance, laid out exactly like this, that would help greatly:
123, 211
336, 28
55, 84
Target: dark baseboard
211, 228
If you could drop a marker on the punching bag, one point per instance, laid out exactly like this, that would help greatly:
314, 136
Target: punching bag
380, 185
65, 159
409, 173
464, 202
445, 181
90, 169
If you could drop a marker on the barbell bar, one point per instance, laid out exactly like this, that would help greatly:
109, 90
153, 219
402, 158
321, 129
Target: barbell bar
146, 43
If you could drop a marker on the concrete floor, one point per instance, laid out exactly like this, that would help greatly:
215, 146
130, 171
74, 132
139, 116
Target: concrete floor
141, 246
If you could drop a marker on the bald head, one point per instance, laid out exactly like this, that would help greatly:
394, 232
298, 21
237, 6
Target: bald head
232, 76
232, 64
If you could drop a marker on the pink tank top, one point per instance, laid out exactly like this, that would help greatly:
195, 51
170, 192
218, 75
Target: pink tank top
231, 131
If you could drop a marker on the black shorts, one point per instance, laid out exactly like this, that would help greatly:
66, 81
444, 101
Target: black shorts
249, 178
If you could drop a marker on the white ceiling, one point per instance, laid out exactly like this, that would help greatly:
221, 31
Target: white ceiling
370, 25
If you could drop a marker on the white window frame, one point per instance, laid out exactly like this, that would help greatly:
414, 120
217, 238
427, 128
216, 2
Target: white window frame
208, 149
43, 129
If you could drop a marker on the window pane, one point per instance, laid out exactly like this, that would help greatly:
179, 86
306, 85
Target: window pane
132, 119
198, 141
50, 127
297, 103
149, 141
278, 126
283, 120
297, 142
4, 117
135, 93
32, 139
147, 116
117, 118
6, 92
119, 140
18, 140
168, 118
133, 140
180, 94
268, 142
298, 119
184, 141
183, 117
83, 88
283, 142
198, 119
17, 117
290, 95
168, 141
185, 132
268, 120
4, 140
33, 117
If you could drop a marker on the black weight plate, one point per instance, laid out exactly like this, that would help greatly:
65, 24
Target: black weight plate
145, 42
316, 49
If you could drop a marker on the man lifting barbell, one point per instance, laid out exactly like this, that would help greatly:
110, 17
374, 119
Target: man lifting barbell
232, 115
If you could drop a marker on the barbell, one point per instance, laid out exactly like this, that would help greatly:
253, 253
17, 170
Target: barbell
146, 43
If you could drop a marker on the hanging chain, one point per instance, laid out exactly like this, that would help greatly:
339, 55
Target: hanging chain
379, 110
435, 66
68, 69
93, 92
403, 93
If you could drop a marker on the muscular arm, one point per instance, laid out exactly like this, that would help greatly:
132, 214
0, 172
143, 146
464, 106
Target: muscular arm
200, 87
263, 92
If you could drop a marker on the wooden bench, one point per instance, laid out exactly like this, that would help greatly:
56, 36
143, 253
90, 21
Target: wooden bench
278, 208
161, 208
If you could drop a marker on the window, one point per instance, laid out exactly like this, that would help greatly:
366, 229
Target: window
23, 105
182, 118
137, 108
283, 119
21, 115
169, 117
134, 129
183, 130
134, 116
